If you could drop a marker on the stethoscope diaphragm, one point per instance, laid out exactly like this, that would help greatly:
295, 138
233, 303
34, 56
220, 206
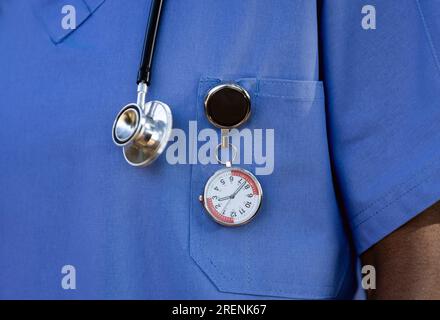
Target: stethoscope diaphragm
143, 131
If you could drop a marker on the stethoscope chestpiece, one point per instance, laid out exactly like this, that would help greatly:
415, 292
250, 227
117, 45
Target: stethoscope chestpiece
142, 129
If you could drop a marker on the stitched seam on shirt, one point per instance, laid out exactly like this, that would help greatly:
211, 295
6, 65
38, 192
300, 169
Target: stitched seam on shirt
292, 98
388, 204
291, 83
191, 207
428, 36
281, 82
408, 181
287, 82
87, 5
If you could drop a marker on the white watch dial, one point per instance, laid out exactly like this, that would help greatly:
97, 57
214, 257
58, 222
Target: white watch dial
232, 196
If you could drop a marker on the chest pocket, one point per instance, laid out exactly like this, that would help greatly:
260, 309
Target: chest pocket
51, 14
295, 247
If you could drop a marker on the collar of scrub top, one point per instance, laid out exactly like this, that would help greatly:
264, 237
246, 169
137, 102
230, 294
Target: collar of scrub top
143, 129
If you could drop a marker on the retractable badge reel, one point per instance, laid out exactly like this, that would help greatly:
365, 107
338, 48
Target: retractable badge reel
142, 129
232, 195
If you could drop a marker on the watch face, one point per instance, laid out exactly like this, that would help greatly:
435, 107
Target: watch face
232, 196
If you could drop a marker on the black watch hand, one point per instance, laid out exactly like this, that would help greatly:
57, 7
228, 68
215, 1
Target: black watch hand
238, 190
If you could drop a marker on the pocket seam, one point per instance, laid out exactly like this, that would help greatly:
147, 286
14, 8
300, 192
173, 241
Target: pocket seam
292, 98
278, 82
205, 259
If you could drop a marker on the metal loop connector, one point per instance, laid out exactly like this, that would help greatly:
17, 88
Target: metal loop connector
217, 156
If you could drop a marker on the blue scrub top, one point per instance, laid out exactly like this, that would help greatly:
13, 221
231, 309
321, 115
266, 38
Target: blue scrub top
356, 119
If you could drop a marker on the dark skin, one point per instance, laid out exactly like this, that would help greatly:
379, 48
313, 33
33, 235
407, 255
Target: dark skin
407, 261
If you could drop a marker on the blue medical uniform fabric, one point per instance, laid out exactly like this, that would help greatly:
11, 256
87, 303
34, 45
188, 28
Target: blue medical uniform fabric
354, 113
383, 111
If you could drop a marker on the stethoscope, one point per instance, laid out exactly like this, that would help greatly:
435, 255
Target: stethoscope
232, 196
142, 129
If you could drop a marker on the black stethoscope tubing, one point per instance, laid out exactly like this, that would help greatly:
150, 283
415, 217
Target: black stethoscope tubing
144, 73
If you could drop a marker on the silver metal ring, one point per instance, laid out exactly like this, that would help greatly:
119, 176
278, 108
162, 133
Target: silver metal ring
234, 153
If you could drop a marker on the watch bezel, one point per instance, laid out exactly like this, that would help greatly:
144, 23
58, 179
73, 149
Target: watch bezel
205, 191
